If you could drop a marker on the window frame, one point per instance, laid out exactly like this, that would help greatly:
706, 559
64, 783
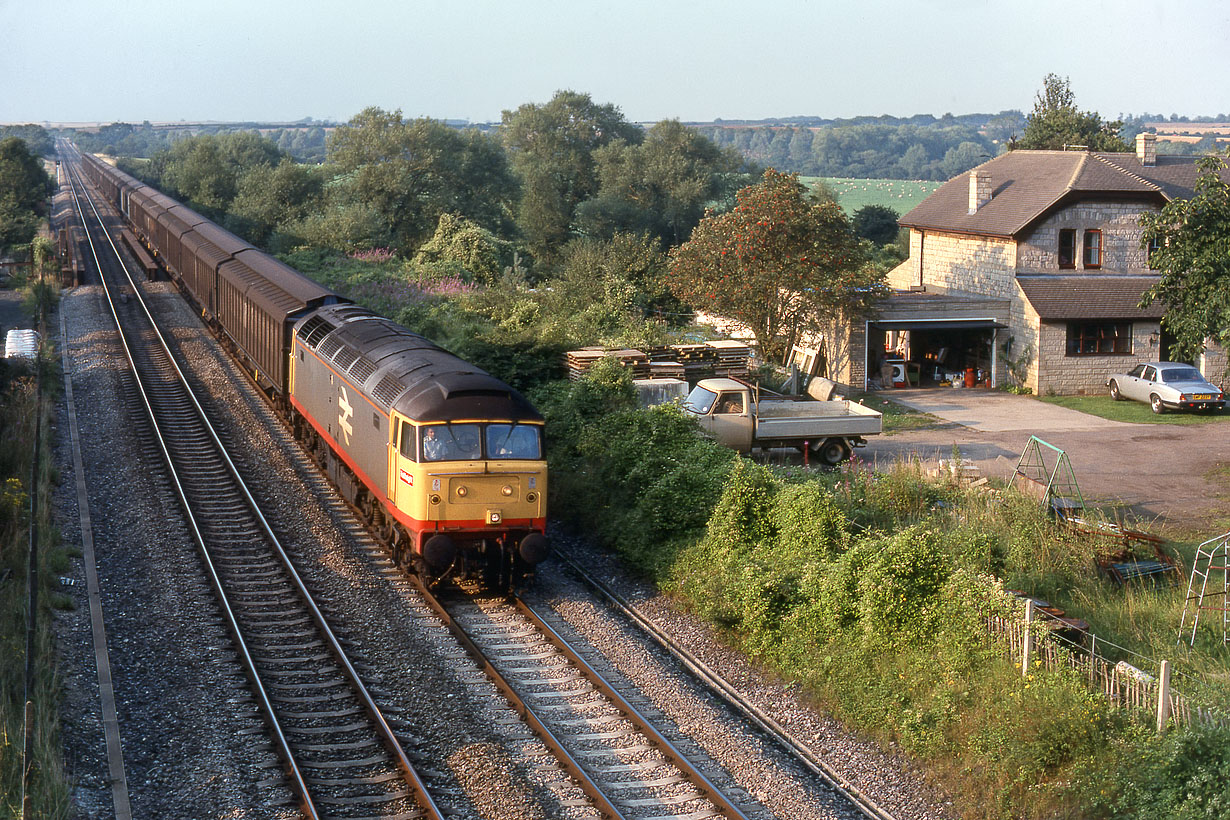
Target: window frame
1082, 336
1067, 234
1092, 247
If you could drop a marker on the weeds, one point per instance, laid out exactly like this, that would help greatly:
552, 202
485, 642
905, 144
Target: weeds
870, 590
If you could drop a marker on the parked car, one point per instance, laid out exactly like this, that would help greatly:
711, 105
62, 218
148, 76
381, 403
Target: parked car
1165, 386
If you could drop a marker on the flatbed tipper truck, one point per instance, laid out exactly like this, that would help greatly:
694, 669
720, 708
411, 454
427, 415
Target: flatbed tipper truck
739, 417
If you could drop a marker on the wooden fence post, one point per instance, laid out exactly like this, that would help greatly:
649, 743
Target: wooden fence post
1027, 642
1163, 696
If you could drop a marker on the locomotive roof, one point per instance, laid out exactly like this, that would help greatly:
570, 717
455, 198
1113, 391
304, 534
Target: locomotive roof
403, 371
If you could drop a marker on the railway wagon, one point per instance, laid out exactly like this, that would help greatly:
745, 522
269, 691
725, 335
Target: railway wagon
444, 458
258, 301
143, 212
181, 220
204, 250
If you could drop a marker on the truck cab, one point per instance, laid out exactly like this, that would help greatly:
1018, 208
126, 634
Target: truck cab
724, 409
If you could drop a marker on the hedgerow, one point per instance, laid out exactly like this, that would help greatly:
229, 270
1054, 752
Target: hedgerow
871, 591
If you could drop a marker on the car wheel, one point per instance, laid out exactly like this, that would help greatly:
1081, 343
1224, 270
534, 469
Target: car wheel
1155, 402
1114, 391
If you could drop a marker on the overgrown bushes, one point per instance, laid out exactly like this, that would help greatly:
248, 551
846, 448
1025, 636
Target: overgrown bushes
871, 591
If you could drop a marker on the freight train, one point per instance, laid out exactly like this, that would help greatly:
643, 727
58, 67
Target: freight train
444, 461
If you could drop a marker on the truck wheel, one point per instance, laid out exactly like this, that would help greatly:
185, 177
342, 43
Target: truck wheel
832, 452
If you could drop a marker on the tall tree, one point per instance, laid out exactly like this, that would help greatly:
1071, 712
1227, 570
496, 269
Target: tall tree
778, 263
205, 169
413, 172
660, 186
1056, 122
1190, 239
271, 197
24, 186
552, 148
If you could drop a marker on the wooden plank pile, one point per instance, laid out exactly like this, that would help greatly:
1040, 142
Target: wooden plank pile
732, 357
579, 361
685, 361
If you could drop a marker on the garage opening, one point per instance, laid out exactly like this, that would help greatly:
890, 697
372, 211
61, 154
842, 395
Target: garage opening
920, 353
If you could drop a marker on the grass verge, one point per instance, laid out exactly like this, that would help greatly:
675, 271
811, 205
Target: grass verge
1133, 412
49, 790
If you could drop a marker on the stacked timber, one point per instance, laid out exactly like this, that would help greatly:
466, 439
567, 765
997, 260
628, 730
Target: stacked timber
579, 361
685, 361
699, 361
666, 370
732, 357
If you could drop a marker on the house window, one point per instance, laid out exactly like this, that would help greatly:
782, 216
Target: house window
1155, 245
1099, 338
1093, 249
1067, 248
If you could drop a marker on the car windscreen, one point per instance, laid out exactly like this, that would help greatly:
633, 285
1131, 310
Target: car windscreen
1172, 375
699, 401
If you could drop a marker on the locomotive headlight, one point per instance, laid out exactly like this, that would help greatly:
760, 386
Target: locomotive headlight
435, 499
531, 497
494, 516
506, 489
462, 492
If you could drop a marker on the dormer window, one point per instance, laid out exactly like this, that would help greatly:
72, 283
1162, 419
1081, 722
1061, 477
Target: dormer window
1093, 249
1067, 248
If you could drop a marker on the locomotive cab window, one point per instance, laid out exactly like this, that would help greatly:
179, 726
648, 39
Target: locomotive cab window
513, 441
451, 442
407, 441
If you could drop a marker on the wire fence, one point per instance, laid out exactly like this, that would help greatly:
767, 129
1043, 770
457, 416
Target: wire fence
1030, 636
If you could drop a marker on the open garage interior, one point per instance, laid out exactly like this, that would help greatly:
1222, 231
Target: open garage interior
936, 340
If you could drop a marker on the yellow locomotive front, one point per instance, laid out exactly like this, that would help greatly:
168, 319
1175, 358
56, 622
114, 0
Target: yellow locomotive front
472, 493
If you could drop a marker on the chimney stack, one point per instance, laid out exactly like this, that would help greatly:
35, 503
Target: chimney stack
979, 189
1146, 149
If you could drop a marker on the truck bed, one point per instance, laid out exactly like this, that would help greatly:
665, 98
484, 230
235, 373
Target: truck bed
783, 420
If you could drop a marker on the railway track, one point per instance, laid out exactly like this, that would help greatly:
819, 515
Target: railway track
736, 701
340, 755
606, 741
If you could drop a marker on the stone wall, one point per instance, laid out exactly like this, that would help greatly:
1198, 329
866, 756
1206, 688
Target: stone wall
1213, 364
969, 264
1119, 222
1064, 375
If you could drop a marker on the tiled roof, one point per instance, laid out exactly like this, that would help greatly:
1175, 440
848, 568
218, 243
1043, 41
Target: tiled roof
1026, 184
1089, 296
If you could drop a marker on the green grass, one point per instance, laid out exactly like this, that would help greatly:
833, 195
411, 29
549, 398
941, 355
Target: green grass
899, 194
1133, 412
897, 417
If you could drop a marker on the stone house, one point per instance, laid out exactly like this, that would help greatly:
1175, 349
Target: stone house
1028, 270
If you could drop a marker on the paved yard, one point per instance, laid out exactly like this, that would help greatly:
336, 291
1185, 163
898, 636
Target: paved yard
1177, 475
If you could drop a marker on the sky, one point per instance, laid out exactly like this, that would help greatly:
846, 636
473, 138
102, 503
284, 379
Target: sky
282, 60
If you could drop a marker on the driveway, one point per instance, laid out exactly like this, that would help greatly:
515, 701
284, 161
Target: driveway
1175, 475
994, 411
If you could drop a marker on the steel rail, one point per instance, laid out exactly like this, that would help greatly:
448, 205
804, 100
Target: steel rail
709, 678
705, 786
385, 732
519, 705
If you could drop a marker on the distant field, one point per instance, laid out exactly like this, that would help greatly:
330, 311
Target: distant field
899, 194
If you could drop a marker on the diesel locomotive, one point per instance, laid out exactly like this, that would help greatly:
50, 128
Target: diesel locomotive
444, 461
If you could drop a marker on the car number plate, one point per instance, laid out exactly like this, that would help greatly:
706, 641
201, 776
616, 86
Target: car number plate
1201, 397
